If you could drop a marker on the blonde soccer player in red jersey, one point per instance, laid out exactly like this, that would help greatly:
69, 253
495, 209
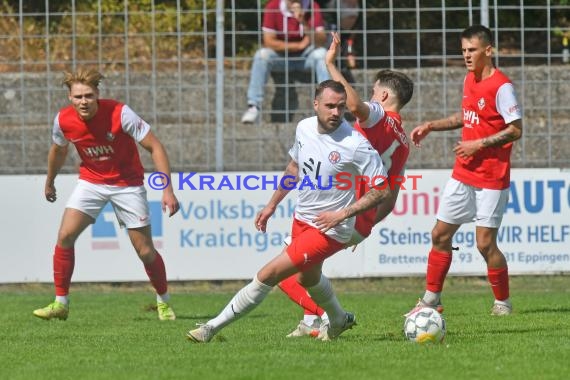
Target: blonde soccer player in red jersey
491, 120
380, 122
105, 133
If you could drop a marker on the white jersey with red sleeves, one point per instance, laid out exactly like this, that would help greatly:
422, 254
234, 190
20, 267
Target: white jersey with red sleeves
326, 163
384, 131
488, 106
106, 143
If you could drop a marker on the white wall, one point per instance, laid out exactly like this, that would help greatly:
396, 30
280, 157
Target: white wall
213, 237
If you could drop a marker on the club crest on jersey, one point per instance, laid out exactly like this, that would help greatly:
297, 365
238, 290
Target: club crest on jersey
110, 136
481, 103
334, 157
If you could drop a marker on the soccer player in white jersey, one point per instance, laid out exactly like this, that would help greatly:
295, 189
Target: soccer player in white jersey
491, 120
105, 133
380, 122
325, 147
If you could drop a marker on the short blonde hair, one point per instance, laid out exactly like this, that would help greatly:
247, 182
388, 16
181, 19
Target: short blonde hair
90, 77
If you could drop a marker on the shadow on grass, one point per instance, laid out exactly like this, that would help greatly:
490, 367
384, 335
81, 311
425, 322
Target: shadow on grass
556, 309
206, 317
504, 331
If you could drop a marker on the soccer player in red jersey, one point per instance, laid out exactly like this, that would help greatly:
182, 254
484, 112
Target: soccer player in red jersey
491, 120
380, 122
105, 133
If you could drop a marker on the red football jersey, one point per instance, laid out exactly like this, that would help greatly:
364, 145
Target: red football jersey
488, 106
277, 18
108, 153
389, 138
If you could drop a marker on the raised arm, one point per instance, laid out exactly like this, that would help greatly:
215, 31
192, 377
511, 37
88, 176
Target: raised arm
353, 102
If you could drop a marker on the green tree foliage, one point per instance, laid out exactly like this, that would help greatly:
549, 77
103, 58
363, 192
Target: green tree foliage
156, 32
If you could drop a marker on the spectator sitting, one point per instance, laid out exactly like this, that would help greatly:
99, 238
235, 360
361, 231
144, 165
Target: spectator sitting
293, 40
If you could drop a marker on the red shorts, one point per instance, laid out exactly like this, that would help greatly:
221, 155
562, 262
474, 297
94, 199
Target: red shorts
309, 246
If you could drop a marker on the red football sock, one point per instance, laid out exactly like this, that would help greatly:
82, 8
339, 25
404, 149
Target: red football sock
499, 279
299, 295
63, 264
157, 274
438, 266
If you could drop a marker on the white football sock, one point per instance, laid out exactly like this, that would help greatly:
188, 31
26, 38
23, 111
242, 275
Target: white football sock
506, 302
62, 299
309, 319
163, 297
324, 296
431, 298
243, 302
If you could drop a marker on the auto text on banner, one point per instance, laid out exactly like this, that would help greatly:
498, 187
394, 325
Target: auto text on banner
534, 235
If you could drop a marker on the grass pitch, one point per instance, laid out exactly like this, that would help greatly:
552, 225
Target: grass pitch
113, 333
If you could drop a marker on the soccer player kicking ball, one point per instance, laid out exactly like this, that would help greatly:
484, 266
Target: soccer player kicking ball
478, 190
380, 122
105, 133
325, 145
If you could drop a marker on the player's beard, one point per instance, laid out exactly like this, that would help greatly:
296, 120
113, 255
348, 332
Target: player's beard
328, 125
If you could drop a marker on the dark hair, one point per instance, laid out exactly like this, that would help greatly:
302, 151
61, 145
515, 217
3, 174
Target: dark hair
481, 32
399, 83
332, 84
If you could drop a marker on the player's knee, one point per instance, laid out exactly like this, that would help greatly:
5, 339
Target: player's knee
309, 281
147, 254
487, 248
268, 276
66, 238
440, 238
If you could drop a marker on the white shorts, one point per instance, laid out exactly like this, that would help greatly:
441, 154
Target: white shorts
355, 239
461, 203
129, 202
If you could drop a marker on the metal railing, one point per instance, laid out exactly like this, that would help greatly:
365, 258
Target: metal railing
184, 67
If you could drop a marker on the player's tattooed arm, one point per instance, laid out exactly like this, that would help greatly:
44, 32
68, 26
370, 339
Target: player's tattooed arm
449, 123
371, 199
468, 148
452, 122
329, 219
512, 133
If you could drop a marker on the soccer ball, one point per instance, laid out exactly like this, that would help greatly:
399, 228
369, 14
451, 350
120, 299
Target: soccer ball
425, 326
